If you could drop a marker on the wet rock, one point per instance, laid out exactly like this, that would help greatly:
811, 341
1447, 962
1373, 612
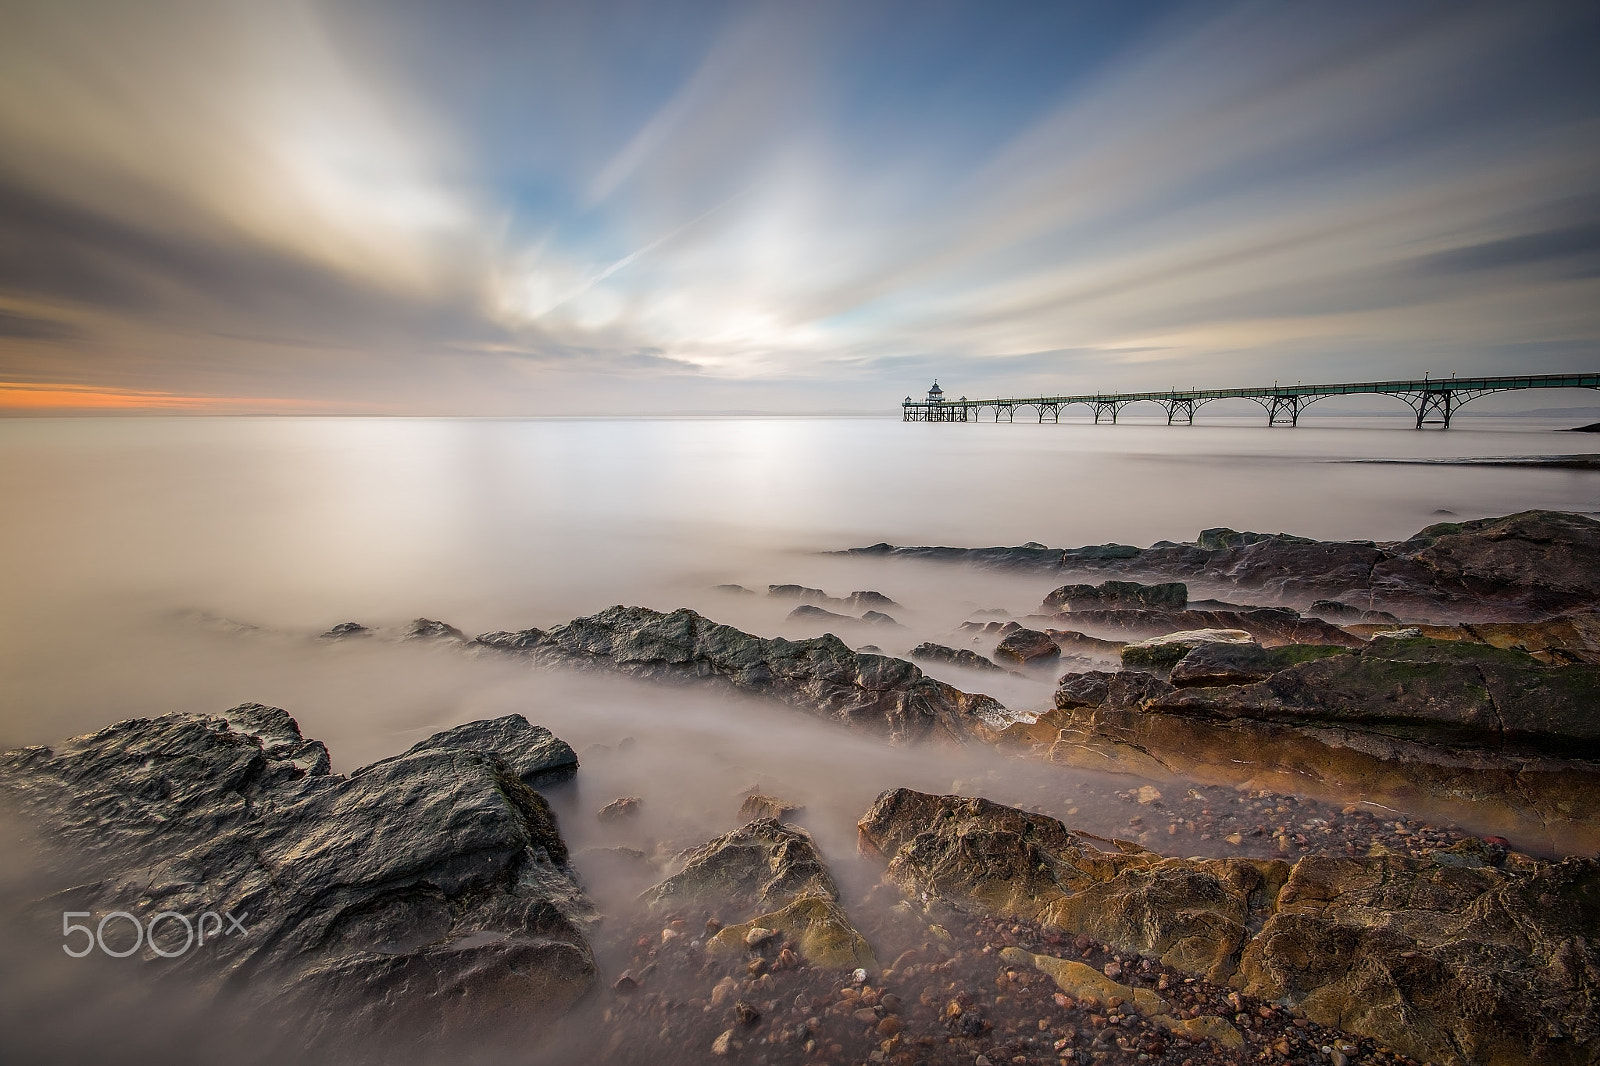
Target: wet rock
1570, 638
818, 927
1518, 567
820, 675
1028, 647
536, 755
1539, 561
1164, 652
619, 809
1336, 611
1449, 958
799, 592
1071, 641
1214, 664
761, 866
866, 600
756, 807
1415, 688
1170, 596
1434, 726
737, 590
980, 857
878, 618
1550, 803
347, 629
1027, 557
431, 887
1270, 626
1116, 689
428, 629
808, 613
1462, 956
938, 653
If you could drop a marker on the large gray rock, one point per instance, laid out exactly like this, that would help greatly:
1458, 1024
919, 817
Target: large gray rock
1271, 626
939, 653
1169, 596
820, 675
430, 890
1514, 568
534, 753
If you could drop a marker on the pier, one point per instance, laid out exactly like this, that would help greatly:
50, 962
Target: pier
1433, 400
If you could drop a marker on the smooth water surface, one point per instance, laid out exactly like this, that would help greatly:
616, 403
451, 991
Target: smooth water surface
155, 565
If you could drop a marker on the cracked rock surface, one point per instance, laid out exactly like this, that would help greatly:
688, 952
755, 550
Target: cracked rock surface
820, 675
1462, 956
428, 890
1517, 567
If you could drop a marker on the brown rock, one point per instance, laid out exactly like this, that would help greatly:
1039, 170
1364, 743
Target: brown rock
1171, 596
1446, 958
1028, 647
760, 866
980, 857
818, 927
619, 808
756, 806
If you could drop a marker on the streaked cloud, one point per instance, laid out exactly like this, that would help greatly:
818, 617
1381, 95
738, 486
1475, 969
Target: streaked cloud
580, 207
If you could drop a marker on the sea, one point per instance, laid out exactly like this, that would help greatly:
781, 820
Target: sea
156, 565
152, 565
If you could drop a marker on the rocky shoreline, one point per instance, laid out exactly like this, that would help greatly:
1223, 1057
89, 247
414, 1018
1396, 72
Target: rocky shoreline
429, 898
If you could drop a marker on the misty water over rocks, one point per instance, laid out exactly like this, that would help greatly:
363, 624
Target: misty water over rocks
159, 566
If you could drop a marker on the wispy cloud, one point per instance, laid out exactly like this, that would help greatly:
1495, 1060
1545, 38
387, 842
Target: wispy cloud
363, 205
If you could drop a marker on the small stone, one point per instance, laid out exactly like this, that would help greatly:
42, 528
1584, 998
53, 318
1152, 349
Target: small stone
1147, 794
723, 1045
859, 976
865, 1014
746, 1014
758, 936
725, 990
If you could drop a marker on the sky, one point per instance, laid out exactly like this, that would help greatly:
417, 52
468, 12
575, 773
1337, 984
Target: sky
516, 208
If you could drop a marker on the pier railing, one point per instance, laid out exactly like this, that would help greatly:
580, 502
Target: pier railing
1433, 400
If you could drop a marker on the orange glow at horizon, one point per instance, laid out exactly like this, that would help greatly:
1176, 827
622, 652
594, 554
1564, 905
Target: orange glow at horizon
56, 396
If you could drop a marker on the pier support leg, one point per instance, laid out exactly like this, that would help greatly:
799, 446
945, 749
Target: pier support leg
1284, 411
1440, 403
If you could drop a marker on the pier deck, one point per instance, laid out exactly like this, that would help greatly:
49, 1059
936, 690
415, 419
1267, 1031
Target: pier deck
1433, 400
